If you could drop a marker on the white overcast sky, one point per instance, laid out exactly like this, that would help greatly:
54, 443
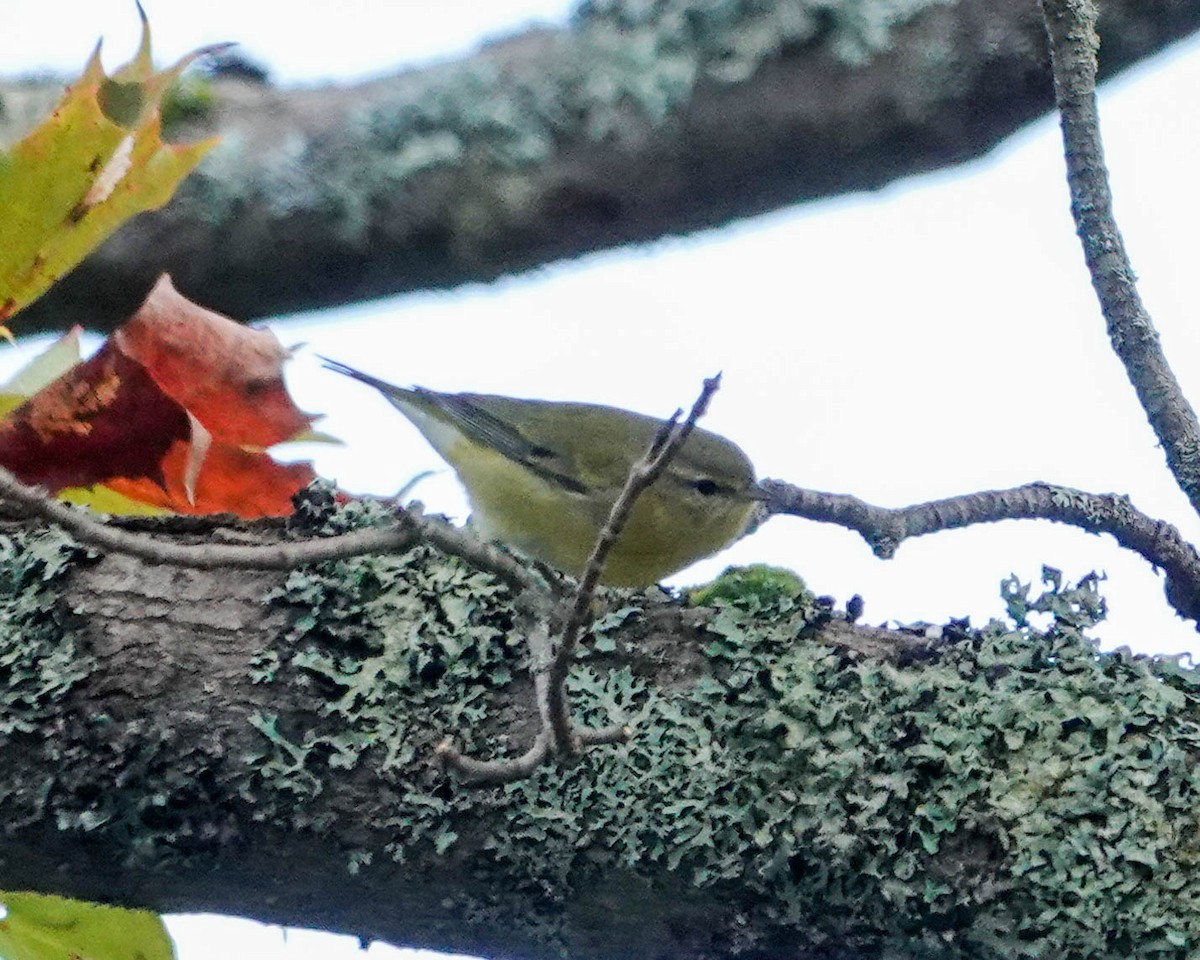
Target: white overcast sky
935, 337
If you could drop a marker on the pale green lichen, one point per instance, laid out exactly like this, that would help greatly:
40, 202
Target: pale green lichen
623, 65
727, 40
40, 661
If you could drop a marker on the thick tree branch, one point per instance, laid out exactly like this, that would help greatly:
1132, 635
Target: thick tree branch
885, 528
796, 786
620, 129
1071, 28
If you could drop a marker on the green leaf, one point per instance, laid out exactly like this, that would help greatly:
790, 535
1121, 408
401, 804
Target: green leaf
45, 368
42, 927
96, 161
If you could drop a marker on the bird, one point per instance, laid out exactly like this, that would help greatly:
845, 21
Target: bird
541, 477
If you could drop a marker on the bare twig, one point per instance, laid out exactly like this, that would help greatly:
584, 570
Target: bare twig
884, 528
558, 734
642, 474
494, 771
1071, 28
202, 556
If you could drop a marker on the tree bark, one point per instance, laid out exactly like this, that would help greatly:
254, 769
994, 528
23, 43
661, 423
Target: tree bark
635, 122
796, 787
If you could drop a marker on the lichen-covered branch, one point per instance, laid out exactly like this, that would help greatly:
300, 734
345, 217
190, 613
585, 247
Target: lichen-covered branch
636, 121
1071, 27
796, 786
885, 528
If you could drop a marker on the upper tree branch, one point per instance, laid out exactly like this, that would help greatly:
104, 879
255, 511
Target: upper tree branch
1071, 27
559, 142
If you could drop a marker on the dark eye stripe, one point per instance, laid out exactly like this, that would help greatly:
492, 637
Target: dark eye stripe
706, 487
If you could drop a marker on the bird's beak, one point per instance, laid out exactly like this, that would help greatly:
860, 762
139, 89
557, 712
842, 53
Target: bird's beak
759, 493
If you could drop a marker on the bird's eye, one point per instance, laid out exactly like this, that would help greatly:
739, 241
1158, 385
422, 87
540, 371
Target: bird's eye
705, 487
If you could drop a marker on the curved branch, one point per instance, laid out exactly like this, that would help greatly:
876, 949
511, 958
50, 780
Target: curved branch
885, 528
666, 444
550, 663
287, 555
1071, 28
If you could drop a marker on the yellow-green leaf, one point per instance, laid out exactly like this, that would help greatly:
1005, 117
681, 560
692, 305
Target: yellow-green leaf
105, 500
46, 367
98, 160
41, 927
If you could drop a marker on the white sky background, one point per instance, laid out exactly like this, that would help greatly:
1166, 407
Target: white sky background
936, 337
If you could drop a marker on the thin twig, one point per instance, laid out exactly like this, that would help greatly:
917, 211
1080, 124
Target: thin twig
487, 772
885, 528
1071, 28
494, 771
484, 772
642, 474
558, 734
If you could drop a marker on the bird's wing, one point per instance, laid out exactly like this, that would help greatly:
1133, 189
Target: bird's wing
502, 436
464, 412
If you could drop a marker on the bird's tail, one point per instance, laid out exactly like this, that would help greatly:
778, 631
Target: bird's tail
387, 389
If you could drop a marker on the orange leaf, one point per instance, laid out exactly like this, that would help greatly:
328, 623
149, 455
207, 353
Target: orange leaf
101, 419
232, 480
173, 411
228, 376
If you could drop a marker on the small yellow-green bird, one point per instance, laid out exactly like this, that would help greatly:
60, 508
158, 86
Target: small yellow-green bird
542, 477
